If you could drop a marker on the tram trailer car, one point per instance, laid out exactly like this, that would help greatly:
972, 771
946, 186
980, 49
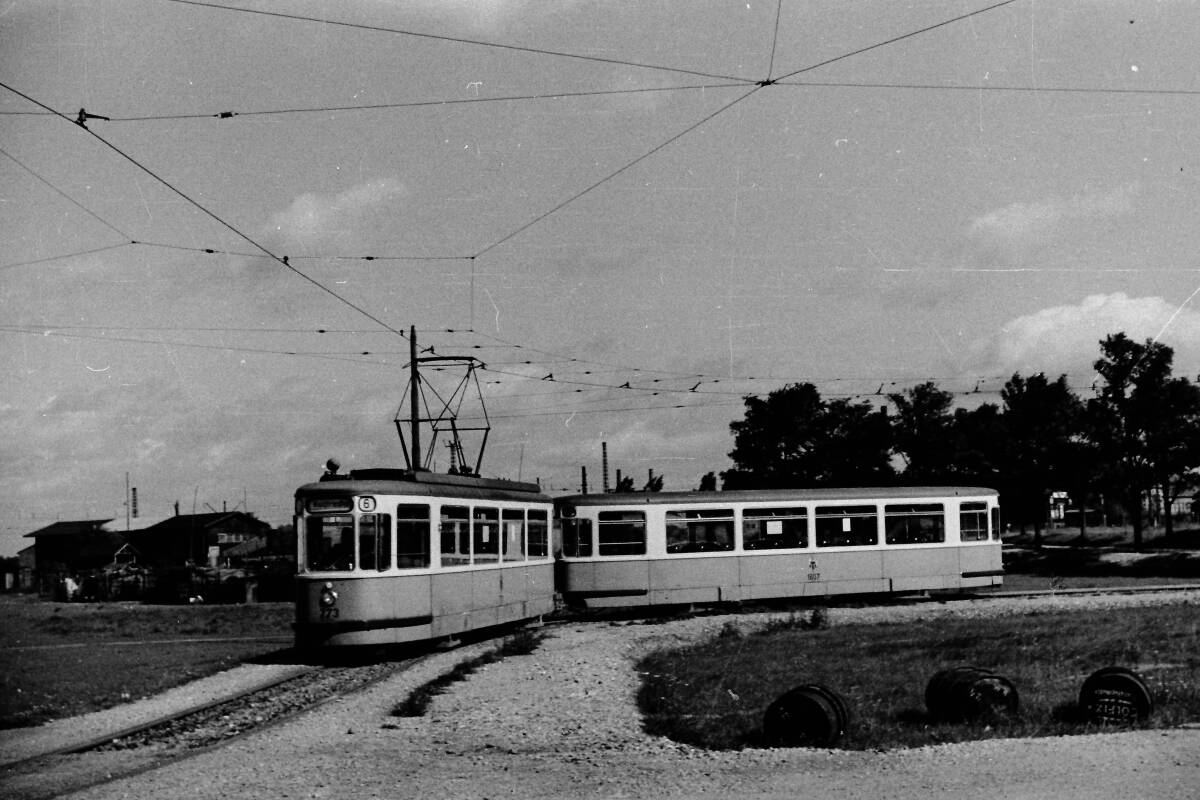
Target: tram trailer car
388, 556
645, 549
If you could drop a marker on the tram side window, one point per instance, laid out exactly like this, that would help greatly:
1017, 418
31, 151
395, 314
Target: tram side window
920, 523
577, 537
847, 526
539, 534
412, 537
456, 536
774, 528
513, 520
329, 543
973, 522
996, 524
375, 542
487, 535
699, 531
621, 533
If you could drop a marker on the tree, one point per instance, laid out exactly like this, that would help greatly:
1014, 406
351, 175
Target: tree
708, 482
1128, 415
1042, 422
792, 438
978, 446
922, 433
1173, 442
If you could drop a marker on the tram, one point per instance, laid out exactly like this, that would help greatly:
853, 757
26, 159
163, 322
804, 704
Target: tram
395, 555
387, 556
661, 548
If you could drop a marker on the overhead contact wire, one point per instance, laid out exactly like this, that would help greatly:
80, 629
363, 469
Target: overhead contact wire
280, 259
64, 255
427, 103
459, 40
896, 39
614, 174
66, 196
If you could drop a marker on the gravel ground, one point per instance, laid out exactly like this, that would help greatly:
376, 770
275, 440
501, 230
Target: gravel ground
563, 722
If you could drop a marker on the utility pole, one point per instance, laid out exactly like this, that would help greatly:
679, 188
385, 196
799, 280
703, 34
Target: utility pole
415, 397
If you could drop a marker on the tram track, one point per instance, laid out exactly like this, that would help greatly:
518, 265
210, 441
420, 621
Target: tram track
1098, 591
183, 733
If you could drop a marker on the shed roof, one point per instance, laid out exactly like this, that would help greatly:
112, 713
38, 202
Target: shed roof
70, 528
184, 523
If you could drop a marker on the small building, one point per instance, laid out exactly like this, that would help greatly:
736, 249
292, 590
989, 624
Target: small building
202, 540
169, 559
70, 549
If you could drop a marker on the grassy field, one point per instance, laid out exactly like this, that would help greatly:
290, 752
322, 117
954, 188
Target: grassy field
713, 695
62, 659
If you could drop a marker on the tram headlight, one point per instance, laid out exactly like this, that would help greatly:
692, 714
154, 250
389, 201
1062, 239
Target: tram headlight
328, 596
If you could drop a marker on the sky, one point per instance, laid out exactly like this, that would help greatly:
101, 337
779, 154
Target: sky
633, 214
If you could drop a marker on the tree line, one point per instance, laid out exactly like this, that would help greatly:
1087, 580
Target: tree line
1139, 433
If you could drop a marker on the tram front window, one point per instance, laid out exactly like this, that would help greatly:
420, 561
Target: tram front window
329, 543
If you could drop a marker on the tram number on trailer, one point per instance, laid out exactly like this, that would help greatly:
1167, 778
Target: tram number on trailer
813, 573
329, 613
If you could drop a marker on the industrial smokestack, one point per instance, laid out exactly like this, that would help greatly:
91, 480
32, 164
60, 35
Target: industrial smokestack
604, 464
583, 480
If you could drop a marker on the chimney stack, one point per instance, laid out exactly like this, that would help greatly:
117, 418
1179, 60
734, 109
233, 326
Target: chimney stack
604, 464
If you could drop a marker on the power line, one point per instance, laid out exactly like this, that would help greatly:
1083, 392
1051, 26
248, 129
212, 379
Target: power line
987, 88
894, 40
459, 40
1097, 90
47, 326
424, 103
282, 260
64, 195
775, 38
330, 257
193, 345
614, 174
63, 256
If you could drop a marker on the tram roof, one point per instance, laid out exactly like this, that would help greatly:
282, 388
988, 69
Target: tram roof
776, 495
424, 484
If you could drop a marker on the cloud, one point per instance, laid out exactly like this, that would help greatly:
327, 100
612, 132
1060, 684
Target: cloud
1022, 220
483, 15
319, 219
1065, 339
1012, 233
